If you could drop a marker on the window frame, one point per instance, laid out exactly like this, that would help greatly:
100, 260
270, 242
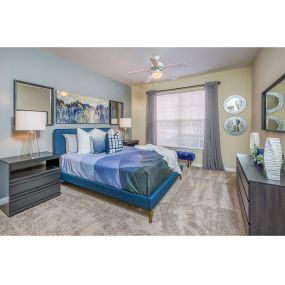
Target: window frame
179, 92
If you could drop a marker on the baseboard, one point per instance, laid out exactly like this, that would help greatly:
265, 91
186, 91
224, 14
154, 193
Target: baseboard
228, 169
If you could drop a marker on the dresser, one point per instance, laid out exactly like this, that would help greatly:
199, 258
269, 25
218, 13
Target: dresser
262, 201
26, 181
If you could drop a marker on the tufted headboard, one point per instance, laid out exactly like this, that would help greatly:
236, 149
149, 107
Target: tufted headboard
58, 141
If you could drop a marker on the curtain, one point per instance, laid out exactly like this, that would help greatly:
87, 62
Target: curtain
151, 120
212, 157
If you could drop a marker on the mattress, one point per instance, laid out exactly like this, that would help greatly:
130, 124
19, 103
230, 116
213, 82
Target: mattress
134, 170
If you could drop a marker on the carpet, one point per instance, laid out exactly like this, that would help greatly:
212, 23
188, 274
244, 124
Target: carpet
202, 203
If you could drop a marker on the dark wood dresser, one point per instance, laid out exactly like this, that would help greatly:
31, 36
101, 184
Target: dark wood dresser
26, 181
262, 201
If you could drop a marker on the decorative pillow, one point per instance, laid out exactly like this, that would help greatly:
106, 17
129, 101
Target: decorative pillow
83, 138
98, 141
86, 140
115, 143
70, 143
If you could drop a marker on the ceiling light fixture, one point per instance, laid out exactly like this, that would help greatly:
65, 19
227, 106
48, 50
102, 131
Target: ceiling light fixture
156, 74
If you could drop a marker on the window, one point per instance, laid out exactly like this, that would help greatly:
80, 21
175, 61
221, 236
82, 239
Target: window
181, 119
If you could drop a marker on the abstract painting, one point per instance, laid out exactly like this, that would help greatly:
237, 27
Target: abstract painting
77, 109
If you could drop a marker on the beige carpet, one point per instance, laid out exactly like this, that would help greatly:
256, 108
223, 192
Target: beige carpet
203, 203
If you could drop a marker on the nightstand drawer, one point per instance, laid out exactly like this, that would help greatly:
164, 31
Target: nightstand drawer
26, 184
33, 198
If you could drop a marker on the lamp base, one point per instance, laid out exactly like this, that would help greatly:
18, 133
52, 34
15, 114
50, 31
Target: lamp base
33, 136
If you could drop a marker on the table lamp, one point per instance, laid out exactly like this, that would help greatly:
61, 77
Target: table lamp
31, 121
125, 123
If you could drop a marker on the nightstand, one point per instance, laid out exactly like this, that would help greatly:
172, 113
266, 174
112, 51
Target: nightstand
130, 142
26, 181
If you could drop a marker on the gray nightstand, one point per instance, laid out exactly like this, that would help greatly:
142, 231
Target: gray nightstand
130, 142
26, 182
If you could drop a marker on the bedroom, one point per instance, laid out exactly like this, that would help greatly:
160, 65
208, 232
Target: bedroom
134, 188
152, 157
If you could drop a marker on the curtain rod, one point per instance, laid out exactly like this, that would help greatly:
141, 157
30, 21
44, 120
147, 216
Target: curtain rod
178, 88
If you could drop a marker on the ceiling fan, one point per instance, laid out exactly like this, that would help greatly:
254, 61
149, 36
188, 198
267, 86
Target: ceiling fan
157, 69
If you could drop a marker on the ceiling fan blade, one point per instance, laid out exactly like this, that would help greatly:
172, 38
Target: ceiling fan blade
181, 64
154, 60
173, 77
138, 71
149, 79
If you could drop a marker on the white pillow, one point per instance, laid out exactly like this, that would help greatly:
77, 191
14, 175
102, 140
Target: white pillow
83, 139
70, 143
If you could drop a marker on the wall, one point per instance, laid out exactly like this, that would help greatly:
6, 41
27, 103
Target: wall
40, 67
234, 81
268, 66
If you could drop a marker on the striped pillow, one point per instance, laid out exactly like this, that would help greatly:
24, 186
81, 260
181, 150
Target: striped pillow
114, 142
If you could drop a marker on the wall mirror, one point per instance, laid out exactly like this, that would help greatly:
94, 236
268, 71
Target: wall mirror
273, 109
235, 126
34, 97
116, 112
234, 104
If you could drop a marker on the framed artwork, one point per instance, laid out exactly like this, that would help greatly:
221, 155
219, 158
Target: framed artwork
77, 109
234, 104
235, 126
116, 112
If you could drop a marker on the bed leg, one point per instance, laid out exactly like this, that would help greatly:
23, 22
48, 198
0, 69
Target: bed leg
150, 216
180, 176
188, 163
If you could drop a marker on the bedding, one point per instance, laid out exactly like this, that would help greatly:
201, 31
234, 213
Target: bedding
134, 170
170, 156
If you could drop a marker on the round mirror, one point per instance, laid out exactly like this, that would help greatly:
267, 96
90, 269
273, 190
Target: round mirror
274, 123
274, 101
234, 104
235, 126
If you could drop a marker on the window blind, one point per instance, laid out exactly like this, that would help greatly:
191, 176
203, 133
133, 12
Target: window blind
181, 119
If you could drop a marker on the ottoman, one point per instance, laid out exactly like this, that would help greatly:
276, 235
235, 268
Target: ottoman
186, 155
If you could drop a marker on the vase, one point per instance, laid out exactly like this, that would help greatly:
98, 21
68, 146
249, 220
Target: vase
254, 140
273, 158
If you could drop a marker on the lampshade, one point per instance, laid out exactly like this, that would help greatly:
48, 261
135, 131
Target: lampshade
30, 121
125, 122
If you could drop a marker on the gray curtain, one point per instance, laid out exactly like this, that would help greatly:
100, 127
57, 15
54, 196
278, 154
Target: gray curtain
151, 117
212, 157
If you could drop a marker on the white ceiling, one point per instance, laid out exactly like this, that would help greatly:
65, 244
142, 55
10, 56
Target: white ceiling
116, 62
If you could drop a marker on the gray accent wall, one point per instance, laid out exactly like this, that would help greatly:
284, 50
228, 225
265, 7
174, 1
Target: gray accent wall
40, 67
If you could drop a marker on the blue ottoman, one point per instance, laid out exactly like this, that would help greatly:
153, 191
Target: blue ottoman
186, 155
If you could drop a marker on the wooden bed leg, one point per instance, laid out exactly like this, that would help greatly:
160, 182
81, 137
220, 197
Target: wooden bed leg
180, 176
150, 216
188, 163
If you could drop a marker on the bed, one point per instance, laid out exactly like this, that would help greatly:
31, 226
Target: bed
138, 177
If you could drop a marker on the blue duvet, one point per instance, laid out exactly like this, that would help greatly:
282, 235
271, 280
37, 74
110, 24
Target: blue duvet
134, 170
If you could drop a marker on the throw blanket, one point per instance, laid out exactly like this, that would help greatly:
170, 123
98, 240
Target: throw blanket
170, 156
132, 169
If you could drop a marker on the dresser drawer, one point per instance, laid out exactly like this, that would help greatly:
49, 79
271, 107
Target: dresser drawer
21, 186
33, 198
243, 199
243, 180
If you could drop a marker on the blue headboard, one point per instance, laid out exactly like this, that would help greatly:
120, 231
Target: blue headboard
58, 141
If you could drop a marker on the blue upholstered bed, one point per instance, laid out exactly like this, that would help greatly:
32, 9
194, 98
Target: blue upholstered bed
146, 201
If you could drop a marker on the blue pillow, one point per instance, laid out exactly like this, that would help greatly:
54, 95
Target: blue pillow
115, 143
98, 144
